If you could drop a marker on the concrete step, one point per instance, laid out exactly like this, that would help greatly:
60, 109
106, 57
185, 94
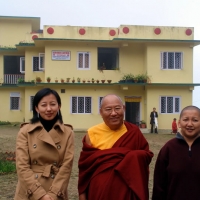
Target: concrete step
144, 130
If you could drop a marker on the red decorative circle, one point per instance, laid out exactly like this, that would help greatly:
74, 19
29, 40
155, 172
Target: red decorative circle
50, 30
188, 32
126, 30
34, 36
157, 31
112, 32
82, 31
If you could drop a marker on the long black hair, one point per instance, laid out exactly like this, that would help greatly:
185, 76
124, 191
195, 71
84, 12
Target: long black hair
37, 98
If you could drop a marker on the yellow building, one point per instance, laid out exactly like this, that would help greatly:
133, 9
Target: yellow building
149, 66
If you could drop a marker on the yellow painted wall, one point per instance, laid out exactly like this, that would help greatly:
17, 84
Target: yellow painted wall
159, 75
84, 121
12, 32
102, 33
134, 57
29, 73
6, 113
153, 100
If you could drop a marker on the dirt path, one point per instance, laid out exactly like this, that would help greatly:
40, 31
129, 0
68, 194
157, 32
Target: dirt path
7, 144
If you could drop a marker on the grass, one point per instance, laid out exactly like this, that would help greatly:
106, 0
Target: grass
7, 167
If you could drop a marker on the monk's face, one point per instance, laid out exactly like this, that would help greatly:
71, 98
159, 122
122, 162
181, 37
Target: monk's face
112, 112
189, 123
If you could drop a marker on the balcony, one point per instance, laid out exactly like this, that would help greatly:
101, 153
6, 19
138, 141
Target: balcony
12, 78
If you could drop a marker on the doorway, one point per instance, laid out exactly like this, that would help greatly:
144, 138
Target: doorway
132, 114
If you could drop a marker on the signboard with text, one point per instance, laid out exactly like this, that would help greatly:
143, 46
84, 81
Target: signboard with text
61, 55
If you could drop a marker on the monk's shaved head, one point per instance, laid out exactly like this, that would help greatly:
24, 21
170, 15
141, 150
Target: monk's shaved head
111, 95
190, 108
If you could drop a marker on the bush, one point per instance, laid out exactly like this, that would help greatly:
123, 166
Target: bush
7, 166
4, 123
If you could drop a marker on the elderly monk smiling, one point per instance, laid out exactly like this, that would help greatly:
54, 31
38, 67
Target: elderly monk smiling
114, 161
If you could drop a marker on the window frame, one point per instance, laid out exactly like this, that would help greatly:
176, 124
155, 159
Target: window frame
16, 95
99, 103
77, 105
40, 69
83, 52
113, 52
30, 102
161, 58
41, 55
22, 60
174, 97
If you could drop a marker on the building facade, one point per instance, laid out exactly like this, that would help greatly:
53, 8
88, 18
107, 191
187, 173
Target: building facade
148, 67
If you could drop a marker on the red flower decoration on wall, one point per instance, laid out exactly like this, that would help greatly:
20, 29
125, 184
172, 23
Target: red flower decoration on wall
188, 32
157, 31
126, 30
82, 31
34, 36
112, 32
50, 30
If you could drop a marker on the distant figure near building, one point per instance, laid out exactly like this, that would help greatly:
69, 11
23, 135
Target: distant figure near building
174, 126
154, 121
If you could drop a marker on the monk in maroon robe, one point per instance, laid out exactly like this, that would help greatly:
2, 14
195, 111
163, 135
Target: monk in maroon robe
120, 172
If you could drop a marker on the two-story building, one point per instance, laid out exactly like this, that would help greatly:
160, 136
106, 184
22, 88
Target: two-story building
127, 55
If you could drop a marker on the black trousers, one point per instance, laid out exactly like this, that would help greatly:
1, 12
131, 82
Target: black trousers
153, 127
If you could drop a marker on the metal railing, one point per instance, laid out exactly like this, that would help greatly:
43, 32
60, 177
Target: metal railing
12, 78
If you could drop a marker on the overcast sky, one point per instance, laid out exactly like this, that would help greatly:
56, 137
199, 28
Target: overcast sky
113, 13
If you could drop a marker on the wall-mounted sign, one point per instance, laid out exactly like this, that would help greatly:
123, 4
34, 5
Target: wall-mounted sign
61, 55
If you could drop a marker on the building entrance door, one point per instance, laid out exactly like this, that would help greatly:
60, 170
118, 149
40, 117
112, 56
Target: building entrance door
132, 111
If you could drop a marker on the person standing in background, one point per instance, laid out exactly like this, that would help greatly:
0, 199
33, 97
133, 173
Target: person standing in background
174, 126
154, 120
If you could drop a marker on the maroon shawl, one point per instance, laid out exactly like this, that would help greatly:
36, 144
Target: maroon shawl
119, 173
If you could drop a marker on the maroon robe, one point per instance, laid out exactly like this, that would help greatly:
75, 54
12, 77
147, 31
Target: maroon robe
118, 173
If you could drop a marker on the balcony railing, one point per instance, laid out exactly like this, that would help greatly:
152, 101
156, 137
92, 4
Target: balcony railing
12, 78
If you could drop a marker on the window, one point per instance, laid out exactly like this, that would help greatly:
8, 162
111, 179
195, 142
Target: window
22, 64
100, 98
14, 101
38, 62
81, 104
83, 60
169, 104
31, 103
108, 58
171, 60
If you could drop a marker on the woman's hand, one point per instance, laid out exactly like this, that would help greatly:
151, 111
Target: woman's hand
46, 197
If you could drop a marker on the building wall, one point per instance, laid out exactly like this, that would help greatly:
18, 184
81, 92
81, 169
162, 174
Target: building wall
139, 52
153, 100
12, 32
184, 75
6, 113
102, 33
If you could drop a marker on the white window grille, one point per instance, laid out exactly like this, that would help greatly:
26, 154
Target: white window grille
22, 64
38, 62
171, 60
100, 98
31, 103
83, 60
170, 104
14, 101
41, 61
81, 104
